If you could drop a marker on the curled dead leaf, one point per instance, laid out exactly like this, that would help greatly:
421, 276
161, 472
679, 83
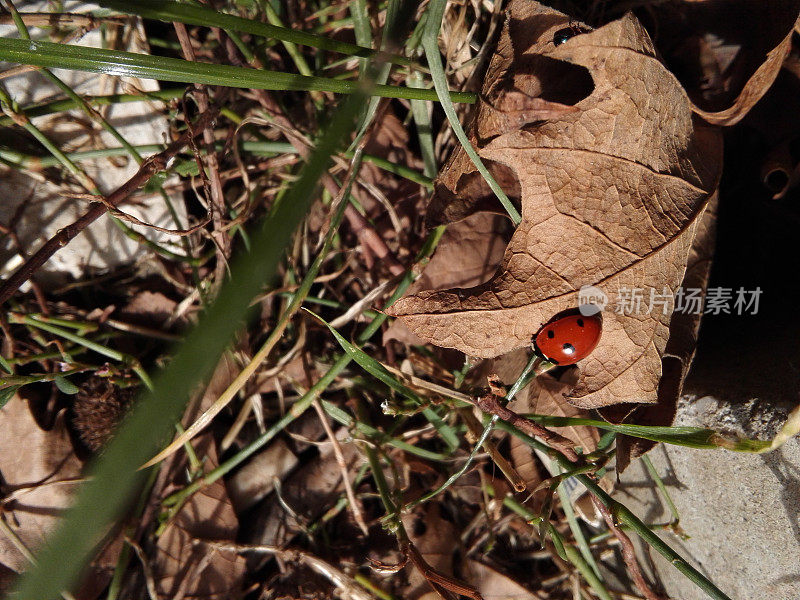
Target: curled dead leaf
611, 196
726, 53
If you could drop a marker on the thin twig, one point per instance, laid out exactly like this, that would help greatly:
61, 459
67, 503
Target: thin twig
628, 552
337, 577
490, 403
355, 504
148, 168
217, 199
434, 577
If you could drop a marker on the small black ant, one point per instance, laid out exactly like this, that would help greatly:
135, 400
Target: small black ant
562, 35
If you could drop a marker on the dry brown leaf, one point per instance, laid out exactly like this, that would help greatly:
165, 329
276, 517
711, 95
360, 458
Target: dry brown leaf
200, 571
493, 585
149, 308
40, 474
467, 255
678, 354
42, 478
308, 492
727, 53
611, 196
180, 566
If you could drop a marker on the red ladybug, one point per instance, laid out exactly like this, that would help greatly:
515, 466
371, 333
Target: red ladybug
569, 339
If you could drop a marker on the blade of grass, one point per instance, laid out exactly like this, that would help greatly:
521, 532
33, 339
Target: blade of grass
131, 64
82, 341
377, 435
263, 352
379, 372
566, 551
45, 108
97, 117
303, 404
693, 437
622, 514
423, 120
112, 479
369, 364
297, 57
430, 42
676, 517
192, 14
22, 161
577, 532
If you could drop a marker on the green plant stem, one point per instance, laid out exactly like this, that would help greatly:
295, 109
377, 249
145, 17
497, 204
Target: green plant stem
254, 147
55, 106
430, 42
623, 515
303, 404
676, 517
343, 418
566, 551
105, 494
692, 437
577, 532
168, 11
95, 116
11, 108
523, 380
145, 66
128, 360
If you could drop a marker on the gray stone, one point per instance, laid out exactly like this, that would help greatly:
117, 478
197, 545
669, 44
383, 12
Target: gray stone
39, 208
742, 511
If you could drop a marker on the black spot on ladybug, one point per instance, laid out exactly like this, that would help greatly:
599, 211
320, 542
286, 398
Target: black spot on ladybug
579, 322
551, 334
568, 348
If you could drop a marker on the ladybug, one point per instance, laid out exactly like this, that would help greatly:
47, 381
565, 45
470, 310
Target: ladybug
562, 35
569, 339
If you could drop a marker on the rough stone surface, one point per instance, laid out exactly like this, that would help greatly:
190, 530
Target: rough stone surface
38, 208
742, 511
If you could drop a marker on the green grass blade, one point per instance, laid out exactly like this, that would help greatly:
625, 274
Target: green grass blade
377, 370
430, 42
164, 10
114, 477
8, 393
577, 532
145, 66
45, 108
693, 437
376, 434
369, 364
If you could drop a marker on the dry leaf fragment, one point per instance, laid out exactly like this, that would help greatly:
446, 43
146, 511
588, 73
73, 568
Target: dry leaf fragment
494, 585
184, 569
467, 255
611, 196
181, 567
727, 53
40, 469
678, 355
40, 474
